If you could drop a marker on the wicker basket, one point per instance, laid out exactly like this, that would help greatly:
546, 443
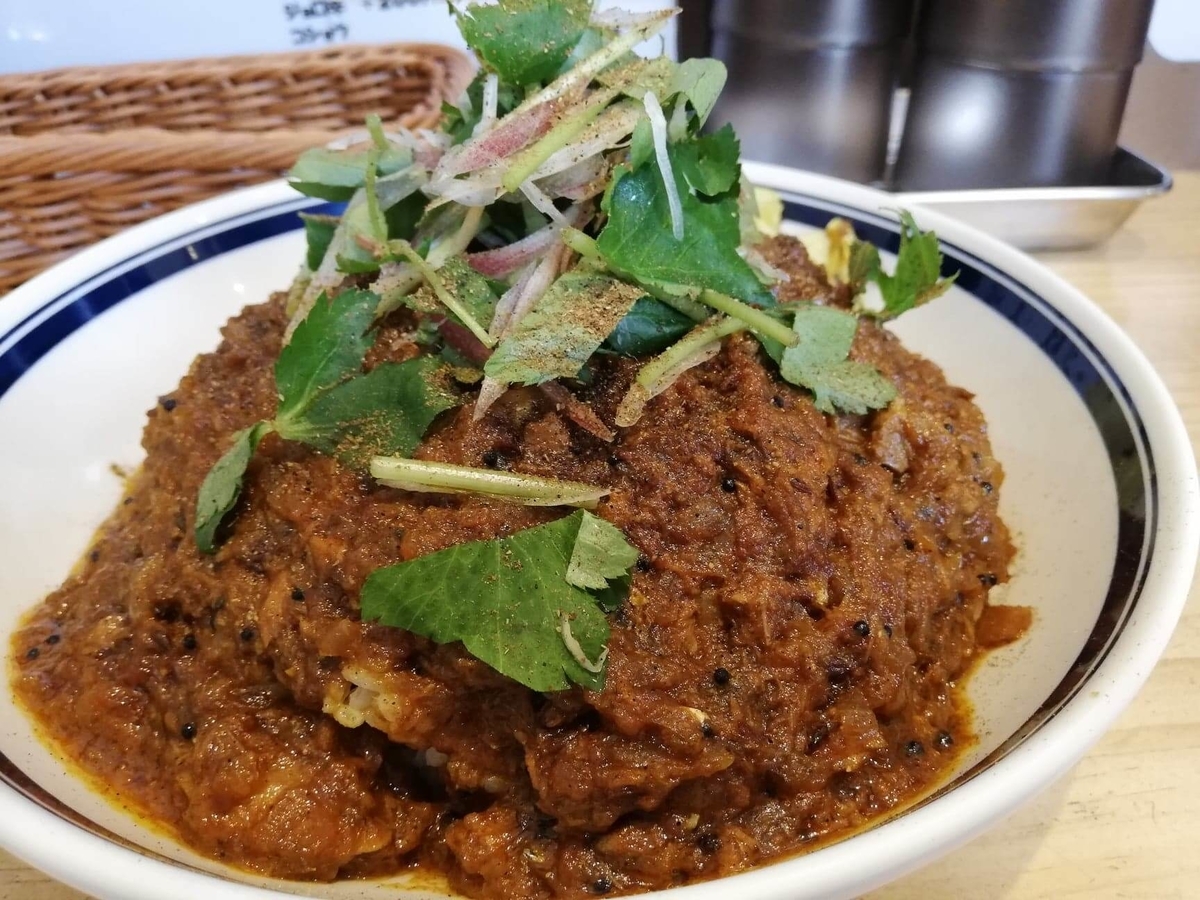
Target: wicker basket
87, 152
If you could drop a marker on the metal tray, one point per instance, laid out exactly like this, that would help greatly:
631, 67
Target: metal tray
1053, 218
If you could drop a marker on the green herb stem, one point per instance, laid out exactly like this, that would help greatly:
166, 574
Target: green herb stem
755, 319
528, 490
449, 247
697, 312
582, 244
527, 161
429, 273
694, 341
658, 374
375, 127
374, 211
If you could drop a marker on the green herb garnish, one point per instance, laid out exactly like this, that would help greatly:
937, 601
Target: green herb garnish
326, 349
819, 361
326, 401
223, 485
570, 205
649, 327
523, 604
525, 41
318, 233
563, 329
700, 82
917, 276
337, 174
638, 239
710, 163
387, 410
446, 478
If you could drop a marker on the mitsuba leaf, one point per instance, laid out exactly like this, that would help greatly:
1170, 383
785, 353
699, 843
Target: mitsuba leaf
507, 600
651, 326
318, 232
337, 174
917, 277
326, 348
564, 328
638, 240
385, 412
819, 362
850, 386
864, 264
525, 41
641, 144
700, 80
404, 216
355, 234
710, 163
223, 485
601, 554
471, 289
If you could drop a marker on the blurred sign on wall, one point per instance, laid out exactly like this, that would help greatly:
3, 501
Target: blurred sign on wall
36, 34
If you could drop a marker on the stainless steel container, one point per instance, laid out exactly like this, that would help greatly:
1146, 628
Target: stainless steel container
1053, 218
1020, 93
811, 81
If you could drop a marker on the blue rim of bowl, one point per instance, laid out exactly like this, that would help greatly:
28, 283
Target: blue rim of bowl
1079, 361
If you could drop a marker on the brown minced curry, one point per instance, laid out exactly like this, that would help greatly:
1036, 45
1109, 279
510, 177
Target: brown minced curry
809, 591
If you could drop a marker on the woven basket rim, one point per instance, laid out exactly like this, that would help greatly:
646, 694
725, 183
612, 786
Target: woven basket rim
151, 148
424, 49
87, 151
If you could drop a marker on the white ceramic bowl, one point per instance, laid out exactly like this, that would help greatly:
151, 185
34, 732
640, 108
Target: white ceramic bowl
1100, 492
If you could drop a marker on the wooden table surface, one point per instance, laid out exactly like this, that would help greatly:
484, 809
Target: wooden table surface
1126, 822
